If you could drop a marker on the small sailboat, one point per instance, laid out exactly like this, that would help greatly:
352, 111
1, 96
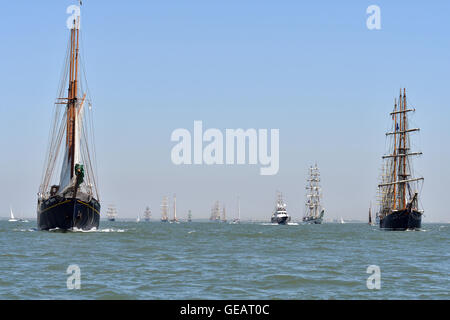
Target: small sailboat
11, 216
341, 221
370, 216
238, 219
175, 219
138, 219
189, 219
164, 209
280, 215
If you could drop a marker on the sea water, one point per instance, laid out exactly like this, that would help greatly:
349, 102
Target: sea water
204, 260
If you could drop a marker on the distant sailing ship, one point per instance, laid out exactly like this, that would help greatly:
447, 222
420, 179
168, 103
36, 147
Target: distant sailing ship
73, 202
314, 211
189, 219
224, 215
175, 219
147, 214
280, 214
238, 219
399, 207
111, 213
215, 212
164, 210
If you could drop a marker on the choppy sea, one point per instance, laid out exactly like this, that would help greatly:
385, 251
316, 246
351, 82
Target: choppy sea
203, 260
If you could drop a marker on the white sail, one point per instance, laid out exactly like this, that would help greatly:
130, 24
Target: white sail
12, 218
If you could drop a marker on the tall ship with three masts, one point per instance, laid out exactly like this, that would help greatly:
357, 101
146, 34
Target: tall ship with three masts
164, 209
147, 214
215, 212
111, 213
280, 214
314, 211
399, 189
70, 200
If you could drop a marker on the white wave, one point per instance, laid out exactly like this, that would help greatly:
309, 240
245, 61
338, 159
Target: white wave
189, 232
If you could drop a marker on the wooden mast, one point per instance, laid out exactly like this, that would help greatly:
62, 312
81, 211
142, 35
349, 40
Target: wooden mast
395, 154
72, 94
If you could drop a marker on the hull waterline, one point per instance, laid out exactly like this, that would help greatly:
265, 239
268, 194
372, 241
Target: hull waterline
402, 220
68, 214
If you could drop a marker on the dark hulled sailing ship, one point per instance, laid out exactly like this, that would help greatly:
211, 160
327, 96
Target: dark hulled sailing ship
399, 189
71, 200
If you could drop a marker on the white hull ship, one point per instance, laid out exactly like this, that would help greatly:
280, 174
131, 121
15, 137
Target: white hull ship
280, 215
314, 211
238, 219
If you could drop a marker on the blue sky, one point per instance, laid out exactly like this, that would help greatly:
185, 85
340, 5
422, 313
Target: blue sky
311, 69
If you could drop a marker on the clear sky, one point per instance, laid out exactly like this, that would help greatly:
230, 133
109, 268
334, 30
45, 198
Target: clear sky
311, 69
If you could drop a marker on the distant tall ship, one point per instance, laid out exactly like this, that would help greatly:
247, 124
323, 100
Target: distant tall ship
280, 214
111, 213
238, 219
215, 212
175, 219
399, 207
314, 211
224, 215
73, 201
147, 214
164, 210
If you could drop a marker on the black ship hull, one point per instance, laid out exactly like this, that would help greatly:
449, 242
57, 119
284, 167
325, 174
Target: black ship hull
402, 220
68, 214
313, 221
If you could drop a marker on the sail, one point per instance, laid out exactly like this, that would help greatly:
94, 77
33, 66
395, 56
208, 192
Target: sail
71, 139
11, 214
399, 187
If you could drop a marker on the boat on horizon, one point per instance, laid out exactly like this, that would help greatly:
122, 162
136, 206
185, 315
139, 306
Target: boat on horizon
314, 212
399, 190
189, 219
215, 212
175, 219
370, 216
238, 219
147, 214
11, 216
70, 201
280, 215
111, 213
164, 210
